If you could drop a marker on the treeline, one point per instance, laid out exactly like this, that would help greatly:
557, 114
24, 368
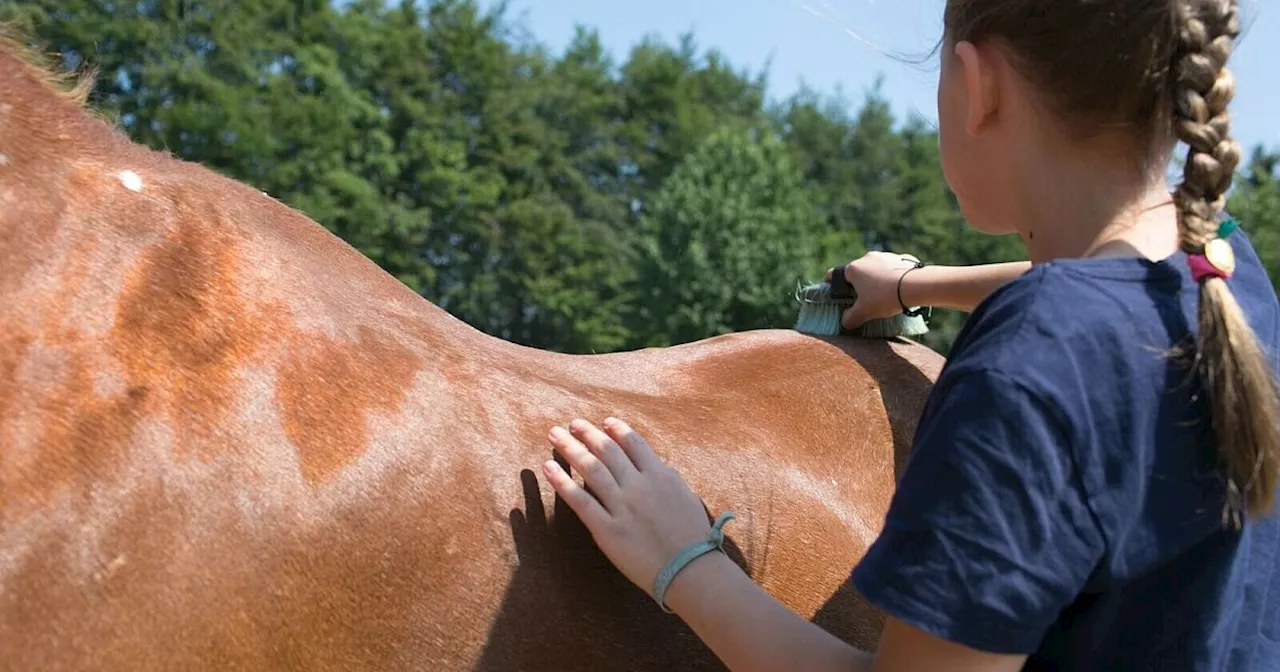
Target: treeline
565, 201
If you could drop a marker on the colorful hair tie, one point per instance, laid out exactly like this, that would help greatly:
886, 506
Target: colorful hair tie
1217, 260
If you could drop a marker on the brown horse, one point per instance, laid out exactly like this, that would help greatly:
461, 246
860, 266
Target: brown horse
230, 441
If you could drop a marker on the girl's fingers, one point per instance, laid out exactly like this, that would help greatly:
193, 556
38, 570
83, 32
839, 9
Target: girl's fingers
854, 317
605, 449
594, 472
588, 509
635, 447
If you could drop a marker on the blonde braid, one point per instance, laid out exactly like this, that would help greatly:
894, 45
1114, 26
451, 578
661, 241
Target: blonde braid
1244, 398
1202, 90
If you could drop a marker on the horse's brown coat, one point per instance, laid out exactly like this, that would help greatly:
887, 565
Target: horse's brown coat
229, 441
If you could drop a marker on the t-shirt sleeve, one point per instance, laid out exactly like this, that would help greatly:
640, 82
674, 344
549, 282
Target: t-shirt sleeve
989, 535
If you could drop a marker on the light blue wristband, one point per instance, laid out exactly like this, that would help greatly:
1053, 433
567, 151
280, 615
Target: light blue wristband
690, 553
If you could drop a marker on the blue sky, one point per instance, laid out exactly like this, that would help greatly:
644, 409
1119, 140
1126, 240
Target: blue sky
843, 43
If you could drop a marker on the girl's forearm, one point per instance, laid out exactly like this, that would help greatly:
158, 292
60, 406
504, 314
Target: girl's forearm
958, 287
748, 629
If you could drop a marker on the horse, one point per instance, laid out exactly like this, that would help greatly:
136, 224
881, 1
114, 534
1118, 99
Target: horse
228, 440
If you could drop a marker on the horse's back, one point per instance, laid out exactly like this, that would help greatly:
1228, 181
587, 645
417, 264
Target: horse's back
228, 441
435, 545
800, 437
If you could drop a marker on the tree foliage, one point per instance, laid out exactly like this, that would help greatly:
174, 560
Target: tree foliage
567, 201
726, 239
1255, 202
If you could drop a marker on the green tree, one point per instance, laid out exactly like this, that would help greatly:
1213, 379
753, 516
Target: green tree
672, 99
564, 201
725, 241
1255, 202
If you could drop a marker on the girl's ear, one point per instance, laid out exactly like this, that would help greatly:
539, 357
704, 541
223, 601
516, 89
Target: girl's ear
982, 91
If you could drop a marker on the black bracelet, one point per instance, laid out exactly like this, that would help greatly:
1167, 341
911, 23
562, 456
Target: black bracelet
907, 311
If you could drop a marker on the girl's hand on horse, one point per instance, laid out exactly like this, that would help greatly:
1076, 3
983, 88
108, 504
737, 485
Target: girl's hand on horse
642, 513
874, 277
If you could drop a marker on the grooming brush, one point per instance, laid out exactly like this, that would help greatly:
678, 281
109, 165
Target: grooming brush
822, 304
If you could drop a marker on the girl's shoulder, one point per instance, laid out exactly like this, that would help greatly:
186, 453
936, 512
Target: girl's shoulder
1107, 311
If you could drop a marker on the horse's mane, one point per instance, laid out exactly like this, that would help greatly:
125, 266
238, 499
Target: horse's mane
74, 87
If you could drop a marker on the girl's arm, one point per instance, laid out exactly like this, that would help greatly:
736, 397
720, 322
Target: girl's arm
877, 278
749, 630
958, 287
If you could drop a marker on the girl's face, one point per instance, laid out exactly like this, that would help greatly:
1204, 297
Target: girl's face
973, 164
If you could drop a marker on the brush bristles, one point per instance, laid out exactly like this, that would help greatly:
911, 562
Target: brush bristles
820, 315
819, 320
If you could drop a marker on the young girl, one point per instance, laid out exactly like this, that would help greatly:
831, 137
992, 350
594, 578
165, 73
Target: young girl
1093, 482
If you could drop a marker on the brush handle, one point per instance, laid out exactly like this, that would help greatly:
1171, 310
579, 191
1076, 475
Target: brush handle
840, 287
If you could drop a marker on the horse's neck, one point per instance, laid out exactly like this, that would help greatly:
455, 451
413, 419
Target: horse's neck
178, 292
218, 314
78, 193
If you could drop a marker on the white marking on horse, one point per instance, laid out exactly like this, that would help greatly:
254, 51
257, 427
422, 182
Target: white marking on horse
109, 383
4, 160
130, 180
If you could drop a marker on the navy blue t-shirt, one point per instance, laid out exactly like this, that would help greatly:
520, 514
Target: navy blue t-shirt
1063, 498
